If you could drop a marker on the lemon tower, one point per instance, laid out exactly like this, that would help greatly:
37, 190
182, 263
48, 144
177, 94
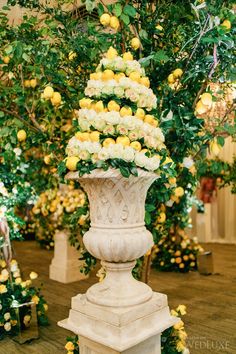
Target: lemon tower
116, 124
117, 153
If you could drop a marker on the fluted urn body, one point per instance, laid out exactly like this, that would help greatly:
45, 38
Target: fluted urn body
117, 235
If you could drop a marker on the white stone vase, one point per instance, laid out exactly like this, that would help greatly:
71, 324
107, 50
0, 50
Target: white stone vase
119, 314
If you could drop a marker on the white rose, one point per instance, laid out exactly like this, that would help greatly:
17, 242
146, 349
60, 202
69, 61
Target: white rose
128, 154
7, 326
121, 129
133, 135
17, 151
116, 151
100, 124
103, 154
112, 118
7, 316
119, 92
108, 90
140, 159
188, 162
84, 155
109, 130
84, 125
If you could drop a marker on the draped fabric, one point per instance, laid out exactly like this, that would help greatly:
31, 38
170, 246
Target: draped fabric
218, 223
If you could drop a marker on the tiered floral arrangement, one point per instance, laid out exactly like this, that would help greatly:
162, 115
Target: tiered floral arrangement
173, 340
57, 208
117, 121
14, 289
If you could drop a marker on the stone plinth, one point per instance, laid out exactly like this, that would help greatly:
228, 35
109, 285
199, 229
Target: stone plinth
119, 314
65, 266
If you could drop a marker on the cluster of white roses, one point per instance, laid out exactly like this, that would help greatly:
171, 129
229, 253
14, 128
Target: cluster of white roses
119, 64
124, 88
95, 151
112, 123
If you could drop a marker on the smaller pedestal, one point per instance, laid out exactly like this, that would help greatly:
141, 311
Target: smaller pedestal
122, 330
65, 266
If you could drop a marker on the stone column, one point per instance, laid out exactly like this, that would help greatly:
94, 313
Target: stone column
65, 266
119, 314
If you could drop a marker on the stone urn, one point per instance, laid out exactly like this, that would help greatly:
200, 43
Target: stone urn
120, 313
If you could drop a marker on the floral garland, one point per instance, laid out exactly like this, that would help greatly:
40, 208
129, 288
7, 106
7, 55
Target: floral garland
13, 288
173, 340
114, 126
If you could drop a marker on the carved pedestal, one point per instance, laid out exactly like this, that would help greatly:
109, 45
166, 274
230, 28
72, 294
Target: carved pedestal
65, 266
120, 314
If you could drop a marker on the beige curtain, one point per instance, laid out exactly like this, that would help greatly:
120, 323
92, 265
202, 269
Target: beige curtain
226, 201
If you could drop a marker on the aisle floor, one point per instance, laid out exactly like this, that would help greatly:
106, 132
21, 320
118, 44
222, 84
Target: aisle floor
210, 300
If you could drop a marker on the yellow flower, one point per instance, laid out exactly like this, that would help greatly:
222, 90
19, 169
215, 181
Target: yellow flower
161, 218
128, 56
180, 346
72, 55
18, 281
179, 325
174, 313
177, 73
111, 53
2, 263
33, 275
35, 299
182, 335
69, 346
123, 140
45, 307
179, 192
126, 111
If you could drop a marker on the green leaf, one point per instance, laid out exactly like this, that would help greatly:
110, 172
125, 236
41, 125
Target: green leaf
161, 56
124, 171
130, 10
150, 207
117, 9
148, 218
220, 140
125, 19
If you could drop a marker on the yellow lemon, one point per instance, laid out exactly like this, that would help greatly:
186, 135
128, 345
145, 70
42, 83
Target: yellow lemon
113, 106
140, 113
206, 99
145, 81
125, 111
33, 83
149, 118
27, 83
135, 43
96, 76
128, 56
201, 108
105, 19
85, 102
6, 60
111, 53
179, 192
114, 22
215, 148
56, 99
136, 145
48, 92
171, 79
72, 56
159, 27
95, 136
82, 136
108, 141
227, 24
108, 75
123, 140
47, 159
177, 73
21, 135
71, 163
135, 76
161, 218
119, 76
99, 107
